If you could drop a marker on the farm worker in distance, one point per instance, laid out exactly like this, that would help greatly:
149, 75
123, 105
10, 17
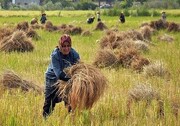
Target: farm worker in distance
62, 57
90, 20
98, 16
163, 16
43, 18
122, 17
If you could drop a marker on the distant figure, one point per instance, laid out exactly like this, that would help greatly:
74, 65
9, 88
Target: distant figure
34, 21
163, 16
90, 20
122, 17
98, 16
43, 18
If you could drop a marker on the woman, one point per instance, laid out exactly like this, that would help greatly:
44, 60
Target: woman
62, 57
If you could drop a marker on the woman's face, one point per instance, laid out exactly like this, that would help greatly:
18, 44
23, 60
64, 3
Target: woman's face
65, 48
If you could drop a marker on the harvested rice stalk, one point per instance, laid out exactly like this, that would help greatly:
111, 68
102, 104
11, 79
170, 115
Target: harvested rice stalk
173, 27
144, 92
24, 26
4, 32
34, 21
125, 57
86, 86
105, 58
18, 41
11, 80
139, 63
101, 26
156, 69
86, 33
166, 38
146, 32
32, 34
50, 27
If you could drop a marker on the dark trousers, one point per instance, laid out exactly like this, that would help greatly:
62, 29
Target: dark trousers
51, 97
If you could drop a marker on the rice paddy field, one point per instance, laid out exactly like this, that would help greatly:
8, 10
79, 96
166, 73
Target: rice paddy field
126, 101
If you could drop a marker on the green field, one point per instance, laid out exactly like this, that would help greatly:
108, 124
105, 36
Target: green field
18, 108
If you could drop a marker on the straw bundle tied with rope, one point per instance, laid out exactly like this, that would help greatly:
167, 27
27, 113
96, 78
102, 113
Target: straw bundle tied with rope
18, 41
147, 32
4, 32
85, 87
50, 27
144, 92
173, 27
133, 34
105, 58
100, 26
121, 40
70, 29
156, 69
32, 34
11, 80
24, 26
166, 38
86, 33
159, 24
34, 21
37, 26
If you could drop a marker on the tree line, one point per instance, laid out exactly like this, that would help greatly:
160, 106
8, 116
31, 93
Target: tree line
5, 4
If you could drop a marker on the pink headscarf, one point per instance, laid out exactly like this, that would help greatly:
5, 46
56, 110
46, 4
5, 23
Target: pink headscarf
65, 38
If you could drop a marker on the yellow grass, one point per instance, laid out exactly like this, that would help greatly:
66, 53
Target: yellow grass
18, 108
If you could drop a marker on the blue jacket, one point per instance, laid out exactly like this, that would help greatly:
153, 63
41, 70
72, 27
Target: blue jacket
59, 62
43, 20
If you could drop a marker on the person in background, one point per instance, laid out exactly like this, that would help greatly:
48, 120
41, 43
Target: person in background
90, 20
122, 17
62, 57
98, 16
43, 18
163, 16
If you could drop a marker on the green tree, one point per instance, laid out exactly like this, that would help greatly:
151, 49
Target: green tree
142, 1
5, 3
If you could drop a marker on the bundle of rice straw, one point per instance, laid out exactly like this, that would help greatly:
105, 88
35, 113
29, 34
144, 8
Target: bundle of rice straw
141, 45
10, 80
32, 34
24, 26
156, 69
166, 38
126, 57
86, 33
133, 34
50, 27
139, 63
173, 27
4, 32
37, 26
101, 26
84, 88
105, 58
146, 32
18, 41
34, 21
144, 92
